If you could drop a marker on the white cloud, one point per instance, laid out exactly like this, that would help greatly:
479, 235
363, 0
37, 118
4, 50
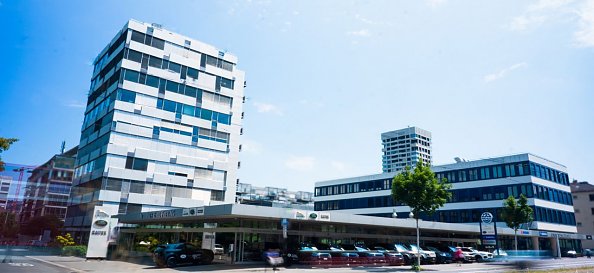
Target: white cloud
503, 72
300, 163
525, 21
364, 20
541, 12
75, 104
360, 33
251, 147
584, 36
262, 107
339, 166
435, 3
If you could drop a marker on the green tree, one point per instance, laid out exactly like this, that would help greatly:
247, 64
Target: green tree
9, 227
36, 225
515, 213
421, 191
4, 145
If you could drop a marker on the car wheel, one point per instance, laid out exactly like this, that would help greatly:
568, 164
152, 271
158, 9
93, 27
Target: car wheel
207, 258
479, 258
171, 262
406, 259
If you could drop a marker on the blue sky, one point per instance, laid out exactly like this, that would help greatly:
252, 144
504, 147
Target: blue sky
326, 78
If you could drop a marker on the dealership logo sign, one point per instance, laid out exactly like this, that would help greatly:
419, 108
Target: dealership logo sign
487, 217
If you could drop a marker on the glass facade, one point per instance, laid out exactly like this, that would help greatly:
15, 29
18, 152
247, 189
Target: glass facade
474, 194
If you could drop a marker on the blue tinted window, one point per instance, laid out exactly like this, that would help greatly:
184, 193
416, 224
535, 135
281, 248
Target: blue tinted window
192, 73
131, 76
206, 114
227, 83
159, 103
224, 119
172, 86
169, 106
127, 96
175, 67
190, 91
152, 81
188, 110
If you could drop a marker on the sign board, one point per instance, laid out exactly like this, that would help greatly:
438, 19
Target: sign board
488, 229
284, 222
487, 217
100, 232
312, 215
543, 234
199, 211
525, 232
209, 238
588, 237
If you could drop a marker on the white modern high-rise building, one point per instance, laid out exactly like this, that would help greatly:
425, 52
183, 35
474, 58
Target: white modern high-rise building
161, 128
405, 147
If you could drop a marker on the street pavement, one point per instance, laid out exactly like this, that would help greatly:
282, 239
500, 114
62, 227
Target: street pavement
29, 262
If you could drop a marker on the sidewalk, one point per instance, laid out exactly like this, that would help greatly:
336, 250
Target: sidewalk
81, 265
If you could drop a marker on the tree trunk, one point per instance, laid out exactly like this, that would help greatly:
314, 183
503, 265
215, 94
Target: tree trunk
418, 247
516, 239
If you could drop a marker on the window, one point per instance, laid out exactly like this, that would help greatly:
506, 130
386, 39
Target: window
592, 211
134, 55
125, 95
137, 36
591, 197
136, 163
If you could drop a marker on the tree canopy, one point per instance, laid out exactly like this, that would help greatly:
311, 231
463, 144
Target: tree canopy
36, 225
515, 213
4, 145
420, 190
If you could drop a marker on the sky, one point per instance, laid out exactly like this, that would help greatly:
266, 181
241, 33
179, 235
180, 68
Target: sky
326, 78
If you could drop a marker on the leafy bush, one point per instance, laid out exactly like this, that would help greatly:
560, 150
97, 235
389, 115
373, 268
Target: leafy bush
65, 240
79, 251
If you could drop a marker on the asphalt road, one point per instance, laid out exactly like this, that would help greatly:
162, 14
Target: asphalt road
16, 261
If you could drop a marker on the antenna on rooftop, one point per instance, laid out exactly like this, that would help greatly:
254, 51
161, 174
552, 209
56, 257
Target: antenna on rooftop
63, 147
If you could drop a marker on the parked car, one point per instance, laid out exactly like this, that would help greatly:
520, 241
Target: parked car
442, 257
379, 249
569, 253
218, 249
427, 256
172, 255
469, 256
500, 254
372, 258
409, 255
346, 258
394, 258
320, 258
479, 256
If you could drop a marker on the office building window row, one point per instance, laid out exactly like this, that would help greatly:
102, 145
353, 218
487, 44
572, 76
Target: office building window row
487, 172
184, 71
460, 195
550, 174
206, 59
180, 108
474, 215
163, 85
100, 64
374, 185
196, 133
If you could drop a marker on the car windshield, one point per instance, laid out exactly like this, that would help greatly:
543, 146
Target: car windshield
401, 248
414, 248
432, 248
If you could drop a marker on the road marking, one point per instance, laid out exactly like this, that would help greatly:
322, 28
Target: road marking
56, 264
20, 264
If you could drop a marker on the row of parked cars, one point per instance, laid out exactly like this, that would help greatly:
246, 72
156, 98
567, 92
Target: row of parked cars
389, 254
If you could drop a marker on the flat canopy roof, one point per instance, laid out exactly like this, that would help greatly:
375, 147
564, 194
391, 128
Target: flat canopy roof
240, 211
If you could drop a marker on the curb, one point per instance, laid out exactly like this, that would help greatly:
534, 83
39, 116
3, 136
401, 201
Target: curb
56, 264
